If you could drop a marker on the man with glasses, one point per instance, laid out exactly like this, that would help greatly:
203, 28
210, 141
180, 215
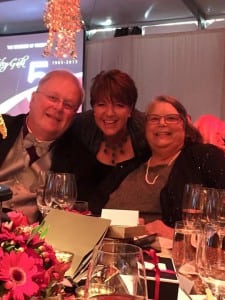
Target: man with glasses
41, 140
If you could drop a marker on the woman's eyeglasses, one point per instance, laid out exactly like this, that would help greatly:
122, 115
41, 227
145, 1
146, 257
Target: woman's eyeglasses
168, 119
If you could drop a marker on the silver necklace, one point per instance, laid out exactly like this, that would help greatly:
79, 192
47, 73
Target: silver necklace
157, 176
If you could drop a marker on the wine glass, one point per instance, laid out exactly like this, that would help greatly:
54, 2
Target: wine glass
61, 190
116, 272
192, 207
211, 258
43, 203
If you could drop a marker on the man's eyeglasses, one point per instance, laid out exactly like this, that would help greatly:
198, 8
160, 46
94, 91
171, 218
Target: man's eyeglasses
168, 119
54, 99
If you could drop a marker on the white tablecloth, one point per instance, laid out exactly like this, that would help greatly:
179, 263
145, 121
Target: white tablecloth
183, 296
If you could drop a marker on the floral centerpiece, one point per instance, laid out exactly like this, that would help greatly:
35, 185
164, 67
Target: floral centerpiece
28, 265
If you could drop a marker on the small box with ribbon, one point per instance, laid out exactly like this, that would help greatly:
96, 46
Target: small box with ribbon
162, 281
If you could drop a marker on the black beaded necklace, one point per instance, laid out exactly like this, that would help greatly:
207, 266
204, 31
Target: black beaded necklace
115, 148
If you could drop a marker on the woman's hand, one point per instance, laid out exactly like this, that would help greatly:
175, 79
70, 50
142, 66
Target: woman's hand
160, 229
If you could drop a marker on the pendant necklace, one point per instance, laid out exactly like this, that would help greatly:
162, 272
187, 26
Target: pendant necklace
115, 149
157, 176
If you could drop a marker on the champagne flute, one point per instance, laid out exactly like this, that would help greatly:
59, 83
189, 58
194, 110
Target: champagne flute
184, 251
221, 216
192, 207
211, 258
61, 190
185, 244
211, 204
117, 272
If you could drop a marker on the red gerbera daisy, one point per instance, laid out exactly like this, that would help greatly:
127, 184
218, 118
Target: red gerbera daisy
18, 218
17, 270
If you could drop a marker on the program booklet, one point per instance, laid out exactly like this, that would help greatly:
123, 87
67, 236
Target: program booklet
77, 234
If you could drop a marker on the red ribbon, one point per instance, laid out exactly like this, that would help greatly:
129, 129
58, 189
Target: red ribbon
155, 260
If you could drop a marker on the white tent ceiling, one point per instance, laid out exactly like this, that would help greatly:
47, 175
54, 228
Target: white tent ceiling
25, 16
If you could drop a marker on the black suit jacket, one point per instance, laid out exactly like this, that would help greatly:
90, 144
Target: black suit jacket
68, 154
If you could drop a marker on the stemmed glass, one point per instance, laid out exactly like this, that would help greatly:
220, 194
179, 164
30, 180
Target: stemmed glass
185, 244
221, 216
187, 236
61, 190
200, 204
192, 207
43, 203
211, 258
116, 272
211, 207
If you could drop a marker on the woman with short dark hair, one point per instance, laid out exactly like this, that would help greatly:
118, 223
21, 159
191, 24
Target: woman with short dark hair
114, 132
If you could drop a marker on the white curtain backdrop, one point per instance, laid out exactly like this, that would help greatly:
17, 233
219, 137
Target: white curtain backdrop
189, 66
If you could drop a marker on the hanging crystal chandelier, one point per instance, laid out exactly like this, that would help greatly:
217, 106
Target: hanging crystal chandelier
63, 20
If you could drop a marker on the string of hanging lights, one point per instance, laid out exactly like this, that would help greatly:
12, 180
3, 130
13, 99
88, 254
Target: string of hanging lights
63, 20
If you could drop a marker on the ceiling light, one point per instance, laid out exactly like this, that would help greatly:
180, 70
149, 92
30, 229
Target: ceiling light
107, 22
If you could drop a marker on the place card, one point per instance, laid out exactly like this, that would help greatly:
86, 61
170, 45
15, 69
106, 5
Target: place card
121, 216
